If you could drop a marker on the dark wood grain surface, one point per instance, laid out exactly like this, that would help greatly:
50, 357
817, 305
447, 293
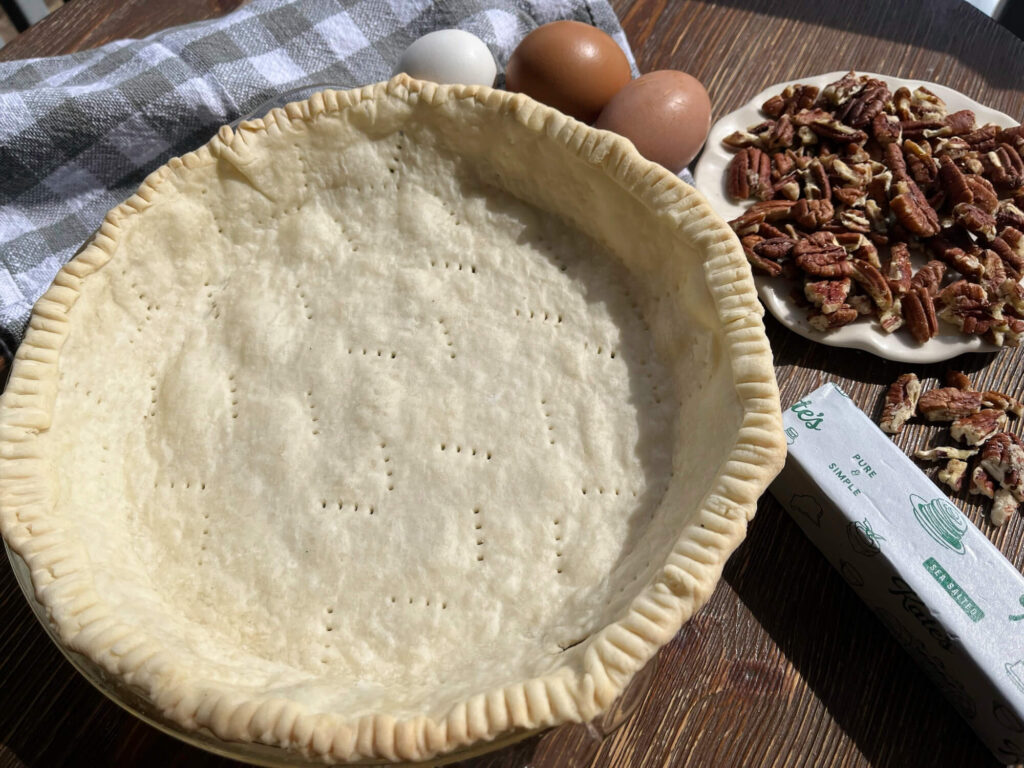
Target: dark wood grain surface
784, 666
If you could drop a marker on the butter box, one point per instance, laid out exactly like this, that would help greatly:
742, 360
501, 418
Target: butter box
939, 585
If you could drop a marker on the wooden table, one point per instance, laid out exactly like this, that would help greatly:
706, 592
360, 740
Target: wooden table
785, 666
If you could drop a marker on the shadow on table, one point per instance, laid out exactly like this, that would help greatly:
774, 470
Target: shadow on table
50, 716
951, 27
850, 368
869, 685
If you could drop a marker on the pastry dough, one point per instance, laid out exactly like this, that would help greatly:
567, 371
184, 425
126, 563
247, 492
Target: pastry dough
400, 419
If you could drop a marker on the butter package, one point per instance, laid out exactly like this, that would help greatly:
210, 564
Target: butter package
939, 585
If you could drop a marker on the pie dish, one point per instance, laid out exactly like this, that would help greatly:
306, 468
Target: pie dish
399, 420
710, 178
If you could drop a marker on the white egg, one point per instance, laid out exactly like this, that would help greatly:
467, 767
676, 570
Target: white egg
449, 56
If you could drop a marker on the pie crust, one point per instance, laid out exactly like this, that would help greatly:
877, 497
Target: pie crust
398, 420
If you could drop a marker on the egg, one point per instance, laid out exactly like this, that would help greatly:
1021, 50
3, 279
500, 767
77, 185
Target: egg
449, 56
570, 66
666, 114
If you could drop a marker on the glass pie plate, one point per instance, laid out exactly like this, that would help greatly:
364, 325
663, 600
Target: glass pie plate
710, 178
591, 734
135, 703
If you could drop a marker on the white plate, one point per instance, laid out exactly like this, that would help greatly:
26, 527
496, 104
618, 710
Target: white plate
774, 292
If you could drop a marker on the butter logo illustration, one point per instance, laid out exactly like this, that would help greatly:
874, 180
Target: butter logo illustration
863, 538
1018, 616
1016, 672
852, 575
807, 415
808, 506
942, 521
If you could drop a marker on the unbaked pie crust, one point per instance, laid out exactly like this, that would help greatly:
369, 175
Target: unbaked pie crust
398, 420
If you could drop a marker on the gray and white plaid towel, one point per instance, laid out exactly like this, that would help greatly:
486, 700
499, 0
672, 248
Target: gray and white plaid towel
78, 133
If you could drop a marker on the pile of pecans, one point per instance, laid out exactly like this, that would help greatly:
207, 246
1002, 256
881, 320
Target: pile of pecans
854, 180
977, 422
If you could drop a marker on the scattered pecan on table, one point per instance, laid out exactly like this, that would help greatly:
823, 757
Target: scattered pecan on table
991, 459
900, 403
852, 181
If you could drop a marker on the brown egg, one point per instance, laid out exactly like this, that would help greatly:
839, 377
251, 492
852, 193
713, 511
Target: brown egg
570, 66
666, 114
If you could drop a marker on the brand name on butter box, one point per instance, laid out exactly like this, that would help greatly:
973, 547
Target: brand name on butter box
913, 605
807, 415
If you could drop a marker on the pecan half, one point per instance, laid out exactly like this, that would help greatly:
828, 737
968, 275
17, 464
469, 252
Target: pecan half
1006, 330
749, 175
945, 452
775, 248
974, 219
813, 214
895, 162
816, 183
742, 140
842, 316
900, 403
978, 427
983, 139
828, 295
822, 257
792, 100
1004, 167
860, 110
929, 277
966, 305
891, 319
984, 193
887, 129
1009, 215
948, 403
1014, 136
1003, 506
953, 183
957, 379
959, 122
767, 230
992, 399
919, 314
1002, 457
833, 130
899, 270
781, 135
926, 105
966, 263
953, 474
981, 483
901, 100
920, 163
873, 283
840, 91
855, 220
750, 245
920, 129
850, 196
912, 209
1013, 259
752, 219
993, 275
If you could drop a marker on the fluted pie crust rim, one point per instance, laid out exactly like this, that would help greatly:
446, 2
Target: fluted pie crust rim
63, 580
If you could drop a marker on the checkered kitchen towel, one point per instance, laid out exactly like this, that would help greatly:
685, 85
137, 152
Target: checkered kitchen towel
78, 133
